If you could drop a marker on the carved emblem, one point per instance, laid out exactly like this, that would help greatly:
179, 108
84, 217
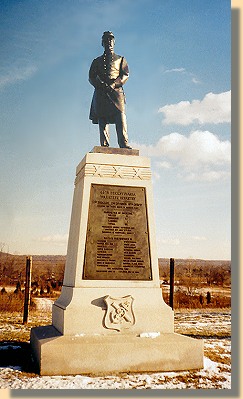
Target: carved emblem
119, 312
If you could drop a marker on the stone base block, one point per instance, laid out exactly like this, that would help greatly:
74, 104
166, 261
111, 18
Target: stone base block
58, 354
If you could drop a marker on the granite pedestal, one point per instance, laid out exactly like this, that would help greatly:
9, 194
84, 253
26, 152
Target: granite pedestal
111, 316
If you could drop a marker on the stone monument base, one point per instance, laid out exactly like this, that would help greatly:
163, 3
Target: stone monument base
111, 316
58, 354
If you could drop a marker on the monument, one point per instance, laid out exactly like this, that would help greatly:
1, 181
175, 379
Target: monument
111, 316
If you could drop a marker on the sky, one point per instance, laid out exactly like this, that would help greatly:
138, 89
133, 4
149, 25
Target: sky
178, 111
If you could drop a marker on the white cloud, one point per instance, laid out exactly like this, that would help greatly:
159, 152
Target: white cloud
55, 239
164, 165
17, 74
213, 108
168, 241
155, 175
195, 80
175, 70
200, 156
183, 71
199, 238
210, 176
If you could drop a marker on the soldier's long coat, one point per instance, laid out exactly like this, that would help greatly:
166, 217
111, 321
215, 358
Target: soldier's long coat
106, 101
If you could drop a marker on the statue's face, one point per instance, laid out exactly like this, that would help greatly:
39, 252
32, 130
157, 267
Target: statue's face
108, 43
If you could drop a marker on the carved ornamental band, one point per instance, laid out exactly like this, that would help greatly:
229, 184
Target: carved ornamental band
114, 171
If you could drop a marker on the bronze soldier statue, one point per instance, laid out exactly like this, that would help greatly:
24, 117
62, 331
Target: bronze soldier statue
107, 74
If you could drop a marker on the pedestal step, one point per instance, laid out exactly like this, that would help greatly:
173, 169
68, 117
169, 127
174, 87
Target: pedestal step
58, 354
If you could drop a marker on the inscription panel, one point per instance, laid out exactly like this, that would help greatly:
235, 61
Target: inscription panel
117, 240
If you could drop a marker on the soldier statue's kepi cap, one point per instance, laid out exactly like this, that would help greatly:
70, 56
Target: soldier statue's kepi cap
107, 34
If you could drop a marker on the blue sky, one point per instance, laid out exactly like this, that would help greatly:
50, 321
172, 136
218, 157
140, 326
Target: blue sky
178, 111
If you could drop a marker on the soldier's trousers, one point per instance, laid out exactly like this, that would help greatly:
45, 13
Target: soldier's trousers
121, 130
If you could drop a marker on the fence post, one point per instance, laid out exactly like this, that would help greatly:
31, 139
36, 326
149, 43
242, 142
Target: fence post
27, 288
172, 282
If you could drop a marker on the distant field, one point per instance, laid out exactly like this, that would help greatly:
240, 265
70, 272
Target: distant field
198, 283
